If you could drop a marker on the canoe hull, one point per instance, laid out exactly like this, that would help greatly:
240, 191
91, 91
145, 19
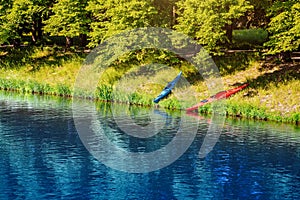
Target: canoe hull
167, 90
162, 95
220, 95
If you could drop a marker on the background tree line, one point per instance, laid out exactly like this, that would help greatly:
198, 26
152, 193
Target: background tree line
215, 24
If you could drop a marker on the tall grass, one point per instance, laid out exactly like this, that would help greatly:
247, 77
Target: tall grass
249, 111
34, 87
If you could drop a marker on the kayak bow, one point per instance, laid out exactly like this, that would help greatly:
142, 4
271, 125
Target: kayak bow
167, 90
220, 95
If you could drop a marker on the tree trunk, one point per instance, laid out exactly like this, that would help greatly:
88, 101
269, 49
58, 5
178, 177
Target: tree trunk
34, 32
173, 20
229, 28
69, 42
83, 40
39, 29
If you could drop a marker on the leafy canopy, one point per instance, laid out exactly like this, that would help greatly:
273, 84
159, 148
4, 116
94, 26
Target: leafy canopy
284, 26
69, 18
206, 20
113, 16
18, 16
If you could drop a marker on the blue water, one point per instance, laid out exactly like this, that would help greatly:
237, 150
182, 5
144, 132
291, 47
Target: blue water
43, 157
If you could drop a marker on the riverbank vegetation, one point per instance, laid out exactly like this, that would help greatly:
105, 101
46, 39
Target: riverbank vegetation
44, 43
273, 92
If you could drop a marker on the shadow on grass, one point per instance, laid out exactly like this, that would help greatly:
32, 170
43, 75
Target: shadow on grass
12, 58
231, 63
275, 74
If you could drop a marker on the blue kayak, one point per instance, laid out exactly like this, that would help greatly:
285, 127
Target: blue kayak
167, 90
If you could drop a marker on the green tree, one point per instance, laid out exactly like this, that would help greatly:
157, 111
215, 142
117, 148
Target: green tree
113, 16
69, 19
210, 22
5, 6
284, 27
21, 16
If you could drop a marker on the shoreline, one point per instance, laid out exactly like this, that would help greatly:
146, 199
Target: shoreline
232, 111
272, 95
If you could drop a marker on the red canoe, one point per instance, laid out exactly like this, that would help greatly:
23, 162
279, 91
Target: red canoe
220, 95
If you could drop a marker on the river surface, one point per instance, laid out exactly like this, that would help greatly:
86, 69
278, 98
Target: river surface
46, 155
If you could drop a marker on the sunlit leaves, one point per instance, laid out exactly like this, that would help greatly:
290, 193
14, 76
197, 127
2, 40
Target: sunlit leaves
69, 18
284, 27
206, 20
114, 16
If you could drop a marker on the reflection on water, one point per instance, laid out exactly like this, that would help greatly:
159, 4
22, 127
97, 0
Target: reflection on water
113, 136
124, 131
42, 156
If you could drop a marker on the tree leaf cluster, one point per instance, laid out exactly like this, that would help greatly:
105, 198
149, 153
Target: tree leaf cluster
211, 22
284, 26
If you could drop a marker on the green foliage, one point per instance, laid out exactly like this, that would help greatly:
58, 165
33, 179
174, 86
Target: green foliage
249, 38
104, 92
113, 16
21, 16
216, 24
34, 87
284, 27
69, 18
249, 111
240, 110
139, 99
62, 90
5, 6
295, 118
53, 78
26, 86
205, 109
209, 21
170, 103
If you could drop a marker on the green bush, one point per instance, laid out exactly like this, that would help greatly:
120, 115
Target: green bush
249, 38
63, 90
104, 92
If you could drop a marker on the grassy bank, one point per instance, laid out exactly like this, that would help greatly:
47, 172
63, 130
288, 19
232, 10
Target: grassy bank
39, 70
273, 93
